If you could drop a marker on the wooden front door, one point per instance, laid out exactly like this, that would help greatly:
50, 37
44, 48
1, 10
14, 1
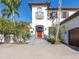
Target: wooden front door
39, 31
74, 37
39, 34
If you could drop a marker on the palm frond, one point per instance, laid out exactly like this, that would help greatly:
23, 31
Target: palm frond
9, 15
5, 2
18, 3
16, 12
12, 5
4, 15
5, 10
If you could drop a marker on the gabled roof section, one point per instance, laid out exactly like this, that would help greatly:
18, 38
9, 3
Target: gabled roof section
70, 18
39, 4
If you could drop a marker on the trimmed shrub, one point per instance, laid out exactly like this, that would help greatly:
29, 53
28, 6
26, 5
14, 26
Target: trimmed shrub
51, 39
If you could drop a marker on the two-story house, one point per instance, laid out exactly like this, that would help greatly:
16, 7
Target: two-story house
44, 17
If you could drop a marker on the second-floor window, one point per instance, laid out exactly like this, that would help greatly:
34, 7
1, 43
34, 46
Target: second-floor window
53, 15
65, 14
39, 14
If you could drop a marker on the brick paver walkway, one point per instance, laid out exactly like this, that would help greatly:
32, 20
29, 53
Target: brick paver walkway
37, 49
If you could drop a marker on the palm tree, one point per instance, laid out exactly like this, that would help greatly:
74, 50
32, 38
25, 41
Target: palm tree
11, 8
58, 21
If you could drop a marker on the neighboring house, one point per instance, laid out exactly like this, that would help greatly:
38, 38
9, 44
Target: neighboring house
70, 30
44, 17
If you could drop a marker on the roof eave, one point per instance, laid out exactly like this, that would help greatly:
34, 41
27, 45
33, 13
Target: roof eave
69, 9
70, 18
39, 4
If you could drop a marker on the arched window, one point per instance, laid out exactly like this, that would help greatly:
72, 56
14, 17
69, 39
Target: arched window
39, 13
39, 9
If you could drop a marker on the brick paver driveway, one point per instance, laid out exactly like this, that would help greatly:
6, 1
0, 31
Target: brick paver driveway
37, 49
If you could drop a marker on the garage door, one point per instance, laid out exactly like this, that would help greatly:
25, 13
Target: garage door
74, 37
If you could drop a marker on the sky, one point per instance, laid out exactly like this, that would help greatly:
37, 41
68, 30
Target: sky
26, 13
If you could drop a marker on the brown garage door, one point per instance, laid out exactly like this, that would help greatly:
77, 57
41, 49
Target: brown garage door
74, 37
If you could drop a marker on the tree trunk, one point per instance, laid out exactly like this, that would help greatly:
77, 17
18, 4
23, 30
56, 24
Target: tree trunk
57, 30
58, 21
13, 19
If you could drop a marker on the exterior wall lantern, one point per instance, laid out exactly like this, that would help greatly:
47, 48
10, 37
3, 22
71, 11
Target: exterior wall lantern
45, 29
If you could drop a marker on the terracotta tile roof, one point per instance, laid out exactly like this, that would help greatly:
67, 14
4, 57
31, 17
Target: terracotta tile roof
70, 18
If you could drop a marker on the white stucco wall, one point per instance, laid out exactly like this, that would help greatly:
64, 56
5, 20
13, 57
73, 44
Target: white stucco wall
74, 23
62, 19
72, 12
46, 23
